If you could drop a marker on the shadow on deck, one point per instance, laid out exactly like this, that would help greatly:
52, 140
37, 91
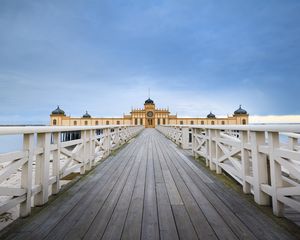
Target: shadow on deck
149, 190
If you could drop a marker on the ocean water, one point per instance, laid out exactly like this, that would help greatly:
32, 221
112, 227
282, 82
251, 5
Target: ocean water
10, 143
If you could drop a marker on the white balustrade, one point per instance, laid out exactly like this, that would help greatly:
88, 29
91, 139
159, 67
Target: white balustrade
264, 159
49, 154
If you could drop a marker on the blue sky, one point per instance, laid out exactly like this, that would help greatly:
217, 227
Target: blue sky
102, 56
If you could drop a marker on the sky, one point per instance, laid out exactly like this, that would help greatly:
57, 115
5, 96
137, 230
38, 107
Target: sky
102, 56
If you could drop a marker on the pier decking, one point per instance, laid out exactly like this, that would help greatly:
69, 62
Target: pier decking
148, 190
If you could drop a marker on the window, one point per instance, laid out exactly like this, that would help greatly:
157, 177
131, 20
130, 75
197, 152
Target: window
158, 121
181, 122
244, 122
85, 122
118, 122
202, 122
212, 122
164, 121
54, 122
141, 121
135, 121
223, 122
75, 123
107, 122
97, 123
192, 122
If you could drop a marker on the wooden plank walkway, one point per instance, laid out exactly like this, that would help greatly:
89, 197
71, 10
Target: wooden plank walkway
149, 190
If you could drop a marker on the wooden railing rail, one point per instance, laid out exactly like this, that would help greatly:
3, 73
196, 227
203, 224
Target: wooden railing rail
264, 159
48, 155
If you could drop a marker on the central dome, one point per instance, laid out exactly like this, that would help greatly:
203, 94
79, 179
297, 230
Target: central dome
149, 101
211, 115
86, 115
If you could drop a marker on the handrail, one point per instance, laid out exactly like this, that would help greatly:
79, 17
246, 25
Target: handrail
51, 153
52, 129
255, 156
264, 127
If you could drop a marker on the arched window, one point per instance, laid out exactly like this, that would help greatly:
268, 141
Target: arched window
54, 121
107, 122
135, 121
223, 122
181, 122
192, 122
158, 121
97, 123
75, 123
85, 122
118, 122
164, 121
141, 121
244, 122
202, 122
212, 122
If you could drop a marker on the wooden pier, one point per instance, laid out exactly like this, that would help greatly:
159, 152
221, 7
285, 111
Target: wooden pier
150, 189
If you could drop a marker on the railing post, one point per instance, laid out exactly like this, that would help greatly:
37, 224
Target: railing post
117, 137
107, 140
26, 177
218, 150
212, 149
194, 141
83, 154
245, 160
207, 135
185, 138
260, 168
93, 147
42, 168
56, 163
89, 156
275, 171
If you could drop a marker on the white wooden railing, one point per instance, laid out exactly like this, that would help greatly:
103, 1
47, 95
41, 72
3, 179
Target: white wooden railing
48, 155
264, 159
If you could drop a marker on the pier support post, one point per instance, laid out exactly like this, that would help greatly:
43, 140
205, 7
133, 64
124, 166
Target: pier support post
217, 135
245, 160
212, 149
275, 172
26, 176
42, 168
185, 138
260, 168
56, 163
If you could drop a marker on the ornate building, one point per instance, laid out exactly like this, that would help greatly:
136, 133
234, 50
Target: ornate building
149, 116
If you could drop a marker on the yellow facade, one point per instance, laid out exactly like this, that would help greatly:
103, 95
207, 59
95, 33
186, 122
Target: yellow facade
149, 116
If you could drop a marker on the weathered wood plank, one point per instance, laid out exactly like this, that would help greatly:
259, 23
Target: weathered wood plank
150, 228
116, 223
105, 205
184, 225
202, 227
167, 225
133, 223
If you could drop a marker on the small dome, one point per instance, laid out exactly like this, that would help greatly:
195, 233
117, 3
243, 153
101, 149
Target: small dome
211, 115
240, 111
149, 101
58, 111
86, 115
